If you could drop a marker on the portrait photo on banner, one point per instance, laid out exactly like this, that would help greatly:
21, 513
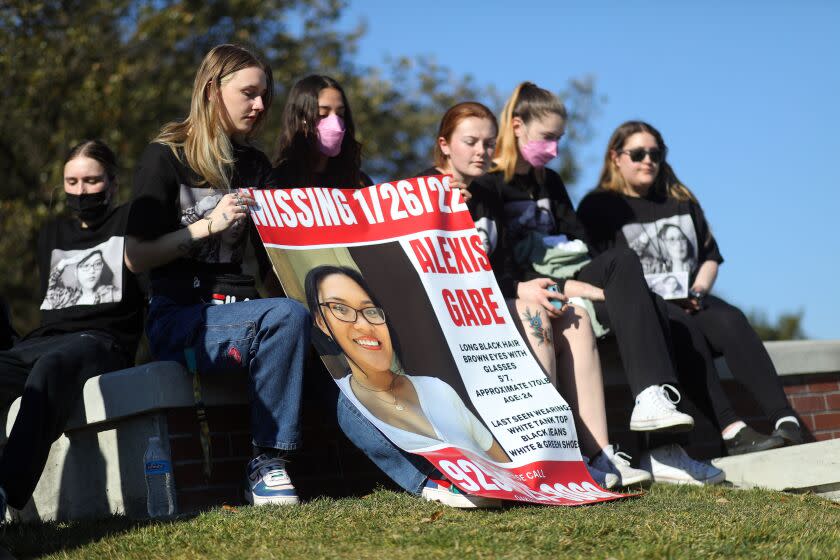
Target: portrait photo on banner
378, 334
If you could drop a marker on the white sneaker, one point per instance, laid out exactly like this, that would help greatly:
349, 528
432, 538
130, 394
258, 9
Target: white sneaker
671, 464
617, 462
446, 493
603, 479
655, 410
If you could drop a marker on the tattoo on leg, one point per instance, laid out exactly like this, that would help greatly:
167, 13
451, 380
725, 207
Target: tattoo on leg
536, 324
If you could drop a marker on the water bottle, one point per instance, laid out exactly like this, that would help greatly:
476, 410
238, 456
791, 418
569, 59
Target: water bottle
160, 486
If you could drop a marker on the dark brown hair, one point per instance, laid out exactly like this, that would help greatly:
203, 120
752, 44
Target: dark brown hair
298, 146
99, 151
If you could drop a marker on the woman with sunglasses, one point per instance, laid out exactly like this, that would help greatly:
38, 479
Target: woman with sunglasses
466, 142
194, 255
529, 205
415, 412
639, 191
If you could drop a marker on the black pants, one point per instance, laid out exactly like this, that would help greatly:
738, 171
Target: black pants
696, 366
727, 332
49, 373
634, 315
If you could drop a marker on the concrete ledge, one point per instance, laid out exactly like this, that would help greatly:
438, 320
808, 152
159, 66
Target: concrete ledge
813, 467
795, 357
142, 389
790, 357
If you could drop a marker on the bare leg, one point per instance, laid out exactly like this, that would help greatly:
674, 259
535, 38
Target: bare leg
535, 325
571, 361
579, 377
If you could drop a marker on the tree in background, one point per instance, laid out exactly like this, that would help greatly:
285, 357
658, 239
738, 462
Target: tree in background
788, 325
118, 69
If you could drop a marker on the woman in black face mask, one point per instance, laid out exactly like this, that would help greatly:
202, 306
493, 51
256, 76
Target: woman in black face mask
91, 318
90, 175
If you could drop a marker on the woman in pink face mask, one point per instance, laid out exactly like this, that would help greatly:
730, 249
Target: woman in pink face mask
318, 145
318, 148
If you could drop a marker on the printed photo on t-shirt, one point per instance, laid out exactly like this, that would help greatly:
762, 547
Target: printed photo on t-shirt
85, 276
667, 249
525, 216
669, 285
198, 203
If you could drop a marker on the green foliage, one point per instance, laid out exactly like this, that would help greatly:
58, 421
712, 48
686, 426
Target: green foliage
668, 522
119, 69
788, 326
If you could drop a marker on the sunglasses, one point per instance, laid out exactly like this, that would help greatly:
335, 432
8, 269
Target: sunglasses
638, 154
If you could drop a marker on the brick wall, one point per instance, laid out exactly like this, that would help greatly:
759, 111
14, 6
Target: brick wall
327, 464
816, 398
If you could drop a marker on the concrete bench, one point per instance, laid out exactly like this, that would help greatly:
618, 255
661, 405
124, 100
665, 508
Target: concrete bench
96, 467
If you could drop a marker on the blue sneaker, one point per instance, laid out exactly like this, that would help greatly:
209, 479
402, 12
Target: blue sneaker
268, 482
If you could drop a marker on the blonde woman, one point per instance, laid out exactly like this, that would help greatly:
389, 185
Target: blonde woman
209, 154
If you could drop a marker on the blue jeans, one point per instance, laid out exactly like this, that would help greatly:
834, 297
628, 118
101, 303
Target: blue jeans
406, 469
267, 338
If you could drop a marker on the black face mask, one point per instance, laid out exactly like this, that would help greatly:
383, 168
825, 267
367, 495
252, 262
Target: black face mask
89, 207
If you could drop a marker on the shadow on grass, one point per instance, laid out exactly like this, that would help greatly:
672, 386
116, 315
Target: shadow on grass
33, 540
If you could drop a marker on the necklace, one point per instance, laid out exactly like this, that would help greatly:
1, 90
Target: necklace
396, 404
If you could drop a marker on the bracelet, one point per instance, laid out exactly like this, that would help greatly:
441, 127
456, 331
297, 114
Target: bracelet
209, 223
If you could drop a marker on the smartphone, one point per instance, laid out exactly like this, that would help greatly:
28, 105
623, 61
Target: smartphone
556, 302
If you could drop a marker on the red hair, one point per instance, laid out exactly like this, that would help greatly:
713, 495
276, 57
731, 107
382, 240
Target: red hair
453, 117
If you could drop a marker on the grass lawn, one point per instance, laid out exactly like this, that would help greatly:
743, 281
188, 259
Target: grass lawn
668, 522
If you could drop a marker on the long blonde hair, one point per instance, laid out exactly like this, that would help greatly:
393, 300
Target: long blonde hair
202, 135
666, 183
527, 102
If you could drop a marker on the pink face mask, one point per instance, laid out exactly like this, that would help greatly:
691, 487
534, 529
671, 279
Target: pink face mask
538, 152
330, 135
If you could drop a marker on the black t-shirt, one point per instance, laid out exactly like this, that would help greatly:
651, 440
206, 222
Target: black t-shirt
510, 211
7, 333
286, 176
85, 284
670, 236
168, 195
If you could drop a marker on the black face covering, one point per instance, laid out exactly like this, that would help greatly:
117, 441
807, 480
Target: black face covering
89, 207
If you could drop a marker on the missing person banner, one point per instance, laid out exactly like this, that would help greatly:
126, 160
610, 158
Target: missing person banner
411, 324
